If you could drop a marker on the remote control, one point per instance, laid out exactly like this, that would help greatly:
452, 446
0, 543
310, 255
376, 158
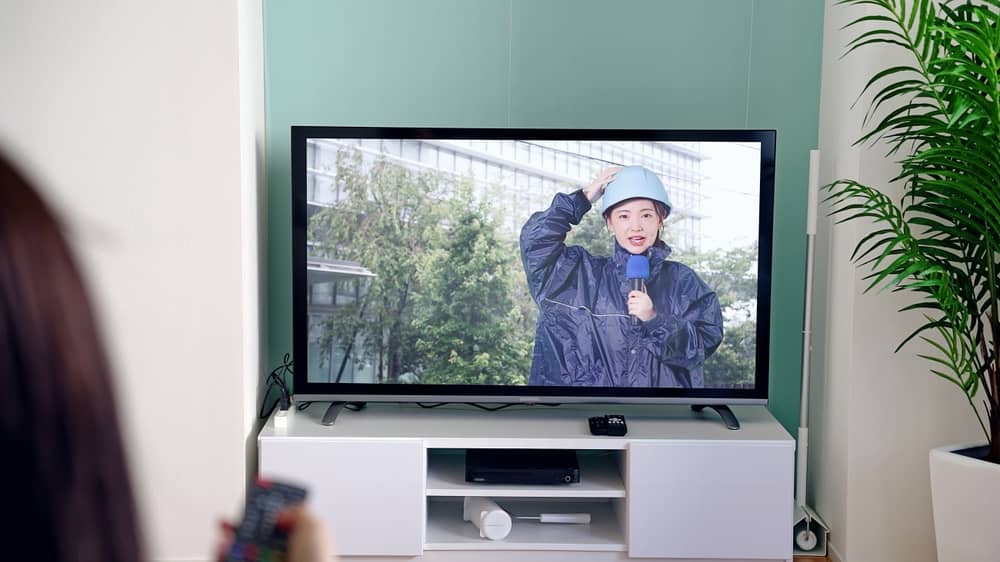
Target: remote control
616, 424
257, 536
598, 425
611, 424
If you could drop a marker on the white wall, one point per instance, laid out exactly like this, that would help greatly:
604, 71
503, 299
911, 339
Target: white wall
130, 116
253, 190
874, 414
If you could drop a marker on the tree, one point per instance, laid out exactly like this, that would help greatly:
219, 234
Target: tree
468, 326
527, 311
592, 234
388, 220
733, 363
732, 274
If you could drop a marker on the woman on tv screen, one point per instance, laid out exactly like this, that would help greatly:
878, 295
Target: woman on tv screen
632, 319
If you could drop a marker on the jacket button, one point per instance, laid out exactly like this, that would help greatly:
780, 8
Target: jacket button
633, 352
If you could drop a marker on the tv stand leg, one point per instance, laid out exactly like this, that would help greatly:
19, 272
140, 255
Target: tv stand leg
332, 412
728, 417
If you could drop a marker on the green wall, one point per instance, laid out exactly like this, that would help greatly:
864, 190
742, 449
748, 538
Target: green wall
554, 63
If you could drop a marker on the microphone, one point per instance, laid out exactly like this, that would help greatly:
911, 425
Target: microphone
637, 271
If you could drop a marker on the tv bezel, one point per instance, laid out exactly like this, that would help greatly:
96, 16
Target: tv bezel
400, 392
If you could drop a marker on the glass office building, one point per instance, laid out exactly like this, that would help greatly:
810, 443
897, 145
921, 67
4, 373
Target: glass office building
520, 177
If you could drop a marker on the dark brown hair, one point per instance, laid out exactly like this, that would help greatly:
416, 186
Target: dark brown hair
68, 495
661, 209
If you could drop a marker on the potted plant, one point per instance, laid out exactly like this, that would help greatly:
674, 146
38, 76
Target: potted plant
940, 116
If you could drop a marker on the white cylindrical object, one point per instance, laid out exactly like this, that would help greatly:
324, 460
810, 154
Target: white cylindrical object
493, 522
813, 191
576, 518
800, 467
802, 450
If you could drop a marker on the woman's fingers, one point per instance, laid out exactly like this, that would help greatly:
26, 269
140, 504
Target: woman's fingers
596, 187
308, 540
641, 306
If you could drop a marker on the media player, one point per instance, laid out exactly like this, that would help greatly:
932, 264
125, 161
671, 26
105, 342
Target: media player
521, 466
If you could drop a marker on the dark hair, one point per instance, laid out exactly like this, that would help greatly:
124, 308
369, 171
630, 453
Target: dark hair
661, 209
68, 495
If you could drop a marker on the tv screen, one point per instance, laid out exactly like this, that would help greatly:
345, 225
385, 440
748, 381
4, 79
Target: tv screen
524, 265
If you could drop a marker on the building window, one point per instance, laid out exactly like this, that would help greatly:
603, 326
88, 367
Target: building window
523, 152
411, 150
428, 155
446, 160
462, 164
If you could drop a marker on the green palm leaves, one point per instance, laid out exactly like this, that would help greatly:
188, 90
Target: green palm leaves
940, 115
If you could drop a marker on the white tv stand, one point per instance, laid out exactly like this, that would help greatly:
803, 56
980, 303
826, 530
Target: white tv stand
680, 486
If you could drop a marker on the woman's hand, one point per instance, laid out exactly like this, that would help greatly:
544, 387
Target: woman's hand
595, 190
641, 306
308, 540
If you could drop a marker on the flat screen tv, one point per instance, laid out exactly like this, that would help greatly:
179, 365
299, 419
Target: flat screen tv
479, 265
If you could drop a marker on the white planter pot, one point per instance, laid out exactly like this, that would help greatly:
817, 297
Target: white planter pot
965, 493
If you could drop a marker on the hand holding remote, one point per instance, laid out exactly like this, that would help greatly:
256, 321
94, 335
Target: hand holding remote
276, 526
309, 541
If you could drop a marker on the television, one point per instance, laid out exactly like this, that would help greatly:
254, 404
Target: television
416, 274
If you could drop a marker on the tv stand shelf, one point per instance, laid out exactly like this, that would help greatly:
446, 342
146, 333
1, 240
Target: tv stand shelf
390, 481
447, 531
601, 470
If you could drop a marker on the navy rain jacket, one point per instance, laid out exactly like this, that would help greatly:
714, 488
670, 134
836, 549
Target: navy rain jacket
585, 336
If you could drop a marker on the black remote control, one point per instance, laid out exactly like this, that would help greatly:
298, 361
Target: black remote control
616, 424
610, 424
258, 537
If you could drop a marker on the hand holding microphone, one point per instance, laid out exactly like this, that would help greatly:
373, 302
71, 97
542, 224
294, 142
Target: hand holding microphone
640, 306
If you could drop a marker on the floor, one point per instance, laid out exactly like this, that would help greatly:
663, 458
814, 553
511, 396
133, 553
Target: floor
811, 559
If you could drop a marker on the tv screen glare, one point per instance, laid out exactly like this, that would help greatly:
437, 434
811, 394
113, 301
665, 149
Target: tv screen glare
467, 265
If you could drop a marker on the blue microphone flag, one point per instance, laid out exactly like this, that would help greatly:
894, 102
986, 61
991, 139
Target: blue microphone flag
637, 267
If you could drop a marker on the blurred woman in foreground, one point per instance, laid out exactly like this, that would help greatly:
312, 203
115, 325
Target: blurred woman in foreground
68, 495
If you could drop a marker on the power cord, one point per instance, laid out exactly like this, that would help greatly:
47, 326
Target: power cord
277, 380
487, 408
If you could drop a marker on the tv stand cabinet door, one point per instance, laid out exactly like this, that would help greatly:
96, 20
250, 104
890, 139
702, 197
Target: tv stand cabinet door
710, 499
370, 493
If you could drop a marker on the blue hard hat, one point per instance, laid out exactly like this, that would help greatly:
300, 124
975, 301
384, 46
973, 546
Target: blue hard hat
633, 182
